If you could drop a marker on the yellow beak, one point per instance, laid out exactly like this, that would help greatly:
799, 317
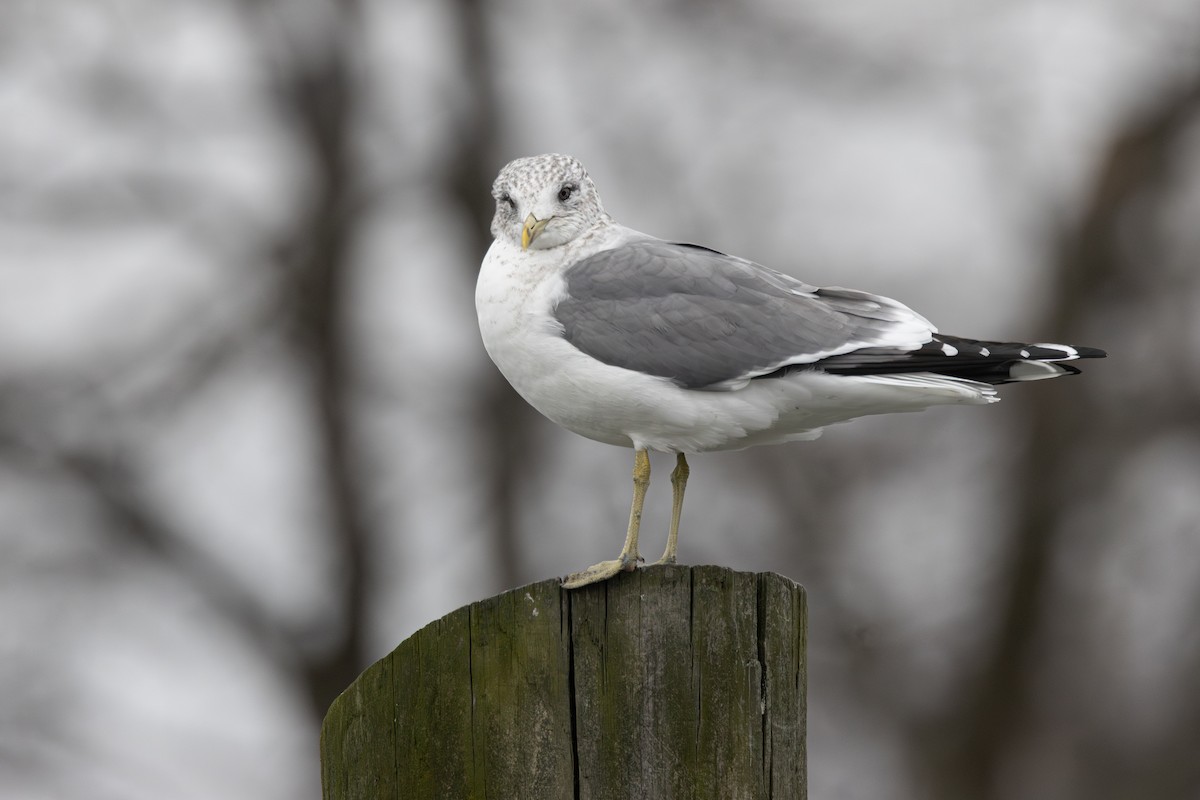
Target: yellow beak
533, 227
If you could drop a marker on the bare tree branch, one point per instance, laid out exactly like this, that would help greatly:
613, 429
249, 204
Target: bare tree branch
318, 93
503, 418
131, 518
969, 746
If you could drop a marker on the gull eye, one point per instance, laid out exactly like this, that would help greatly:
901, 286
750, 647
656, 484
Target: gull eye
506, 198
568, 189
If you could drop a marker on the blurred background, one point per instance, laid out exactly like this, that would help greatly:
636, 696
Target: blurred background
249, 439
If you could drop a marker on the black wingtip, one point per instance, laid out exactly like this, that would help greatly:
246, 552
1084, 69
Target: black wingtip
1091, 352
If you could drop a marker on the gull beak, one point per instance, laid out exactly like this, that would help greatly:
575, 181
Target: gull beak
533, 227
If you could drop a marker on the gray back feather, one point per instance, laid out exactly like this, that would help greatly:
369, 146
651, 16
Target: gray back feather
706, 320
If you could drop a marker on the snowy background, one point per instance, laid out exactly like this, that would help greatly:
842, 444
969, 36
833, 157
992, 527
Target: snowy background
249, 439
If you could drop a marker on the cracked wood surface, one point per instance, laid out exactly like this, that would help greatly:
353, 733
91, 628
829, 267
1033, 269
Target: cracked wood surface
667, 682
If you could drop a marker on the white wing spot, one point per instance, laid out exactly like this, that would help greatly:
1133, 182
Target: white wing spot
949, 349
1068, 351
1024, 354
983, 351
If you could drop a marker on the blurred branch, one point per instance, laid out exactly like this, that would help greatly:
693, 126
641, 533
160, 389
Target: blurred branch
503, 416
969, 746
317, 91
308, 290
134, 522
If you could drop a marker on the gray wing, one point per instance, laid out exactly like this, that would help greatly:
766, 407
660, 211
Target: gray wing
711, 321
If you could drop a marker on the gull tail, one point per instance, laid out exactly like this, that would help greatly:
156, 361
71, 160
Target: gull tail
992, 363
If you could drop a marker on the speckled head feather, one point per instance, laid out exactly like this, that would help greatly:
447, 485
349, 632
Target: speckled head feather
553, 188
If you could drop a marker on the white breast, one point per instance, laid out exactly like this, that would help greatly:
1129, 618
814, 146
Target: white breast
514, 298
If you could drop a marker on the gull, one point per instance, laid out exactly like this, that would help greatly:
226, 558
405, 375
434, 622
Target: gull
638, 342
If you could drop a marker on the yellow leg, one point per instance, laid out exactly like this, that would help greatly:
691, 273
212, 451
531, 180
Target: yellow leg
679, 478
629, 558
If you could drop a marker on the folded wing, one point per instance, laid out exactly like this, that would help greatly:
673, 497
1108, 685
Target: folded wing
707, 320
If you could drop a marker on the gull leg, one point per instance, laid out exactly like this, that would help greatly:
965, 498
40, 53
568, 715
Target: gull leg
679, 477
629, 558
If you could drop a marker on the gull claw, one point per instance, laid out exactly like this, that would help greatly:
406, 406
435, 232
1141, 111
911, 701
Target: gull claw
600, 572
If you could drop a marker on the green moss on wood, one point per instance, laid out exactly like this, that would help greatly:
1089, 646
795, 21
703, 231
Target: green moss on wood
668, 682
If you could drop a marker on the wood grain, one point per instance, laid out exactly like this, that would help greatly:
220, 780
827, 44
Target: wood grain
668, 682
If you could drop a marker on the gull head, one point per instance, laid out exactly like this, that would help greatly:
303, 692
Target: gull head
544, 201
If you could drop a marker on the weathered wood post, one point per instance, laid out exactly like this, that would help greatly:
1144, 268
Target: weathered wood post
664, 683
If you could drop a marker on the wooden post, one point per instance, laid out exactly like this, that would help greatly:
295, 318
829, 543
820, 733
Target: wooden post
668, 682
